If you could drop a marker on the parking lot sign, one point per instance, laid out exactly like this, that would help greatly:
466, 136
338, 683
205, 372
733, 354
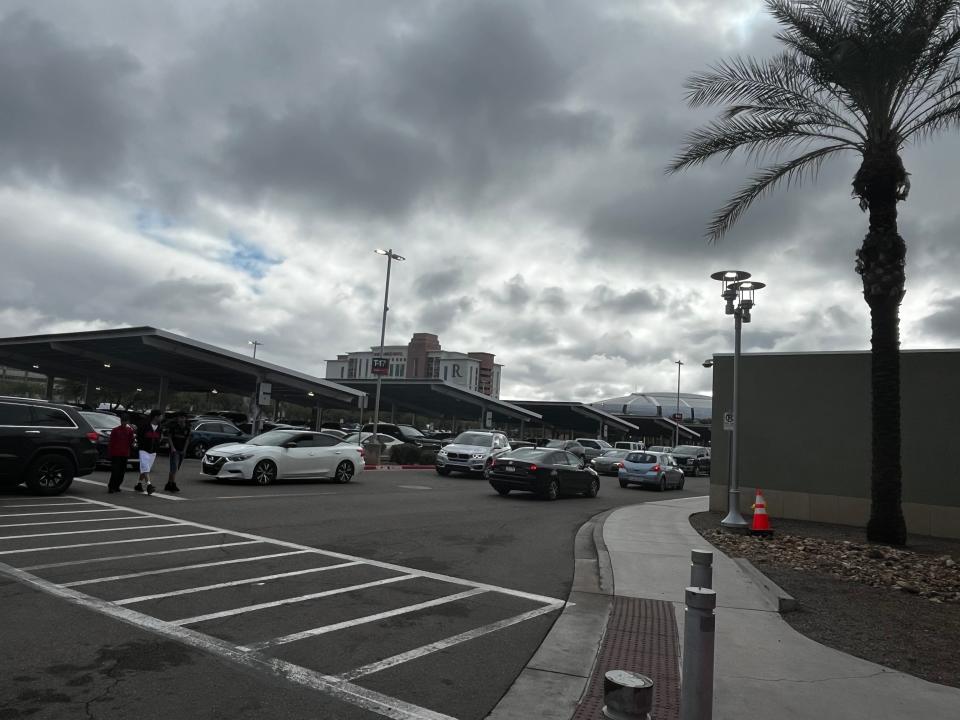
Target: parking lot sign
677, 416
380, 366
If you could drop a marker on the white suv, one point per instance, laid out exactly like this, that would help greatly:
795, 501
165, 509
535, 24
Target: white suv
594, 447
471, 452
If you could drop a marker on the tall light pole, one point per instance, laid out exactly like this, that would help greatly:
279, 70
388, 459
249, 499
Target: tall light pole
391, 256
256, 344
255, 405
676, 426
738, 294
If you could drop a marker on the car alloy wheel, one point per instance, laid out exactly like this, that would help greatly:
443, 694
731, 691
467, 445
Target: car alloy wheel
553, 491
50, 475
344, 472
663, 483
265, 472
594, 488
199, 450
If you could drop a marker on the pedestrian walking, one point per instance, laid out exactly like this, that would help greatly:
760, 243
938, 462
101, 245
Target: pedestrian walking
179, 435
148, 441
121, 445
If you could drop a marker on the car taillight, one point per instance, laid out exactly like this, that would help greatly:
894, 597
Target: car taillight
656, 468
363, 453
92, 436
619, 465
532, 468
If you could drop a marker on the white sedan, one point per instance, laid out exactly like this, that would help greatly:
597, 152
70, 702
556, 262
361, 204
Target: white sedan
285, 455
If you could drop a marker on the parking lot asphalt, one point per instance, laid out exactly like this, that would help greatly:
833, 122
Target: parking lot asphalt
402, 594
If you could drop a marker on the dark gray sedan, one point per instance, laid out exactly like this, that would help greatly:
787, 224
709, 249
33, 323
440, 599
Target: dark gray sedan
610, 462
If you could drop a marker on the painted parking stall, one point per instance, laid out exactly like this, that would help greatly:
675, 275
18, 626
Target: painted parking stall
284, 608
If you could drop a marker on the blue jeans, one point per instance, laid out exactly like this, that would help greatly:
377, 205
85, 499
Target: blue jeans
176, 459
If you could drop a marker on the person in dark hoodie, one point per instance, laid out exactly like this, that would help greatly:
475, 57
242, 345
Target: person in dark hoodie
148, 441
179, 434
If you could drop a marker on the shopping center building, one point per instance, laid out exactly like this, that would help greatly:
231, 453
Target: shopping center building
423, 358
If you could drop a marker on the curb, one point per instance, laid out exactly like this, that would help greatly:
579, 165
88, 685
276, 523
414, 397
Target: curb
778, 597
556, 677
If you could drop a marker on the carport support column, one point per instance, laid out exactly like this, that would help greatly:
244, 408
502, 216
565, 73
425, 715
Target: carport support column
319, 417
50, 388
163, 394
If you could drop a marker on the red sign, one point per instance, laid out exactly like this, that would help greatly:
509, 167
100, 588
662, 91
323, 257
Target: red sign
677, 416
380, 366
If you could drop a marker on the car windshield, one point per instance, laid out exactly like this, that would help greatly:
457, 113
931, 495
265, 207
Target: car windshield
616, 453
474, 438
643, 458
686, 449
410, 430
101, 420
274, 438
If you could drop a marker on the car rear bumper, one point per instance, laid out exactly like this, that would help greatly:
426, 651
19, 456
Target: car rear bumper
639, 478
525, 484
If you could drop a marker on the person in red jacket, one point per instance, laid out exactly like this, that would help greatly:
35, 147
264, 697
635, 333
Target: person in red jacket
121, 445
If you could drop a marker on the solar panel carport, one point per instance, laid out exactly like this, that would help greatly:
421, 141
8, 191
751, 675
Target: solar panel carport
145, 357
575, 417
436, 398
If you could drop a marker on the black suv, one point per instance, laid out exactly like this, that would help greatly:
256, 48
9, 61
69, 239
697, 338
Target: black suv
44, 444
405, 433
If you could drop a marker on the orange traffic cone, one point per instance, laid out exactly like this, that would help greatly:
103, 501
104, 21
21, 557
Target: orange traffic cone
761, 521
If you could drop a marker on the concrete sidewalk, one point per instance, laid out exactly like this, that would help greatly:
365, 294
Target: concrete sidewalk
763, 668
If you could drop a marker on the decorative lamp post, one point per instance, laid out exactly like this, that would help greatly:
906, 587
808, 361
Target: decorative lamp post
738, 292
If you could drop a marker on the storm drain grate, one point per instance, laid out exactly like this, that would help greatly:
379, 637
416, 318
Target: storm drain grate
641, 637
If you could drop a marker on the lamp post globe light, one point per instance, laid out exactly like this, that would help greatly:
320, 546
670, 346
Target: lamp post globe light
738, 294
391, 256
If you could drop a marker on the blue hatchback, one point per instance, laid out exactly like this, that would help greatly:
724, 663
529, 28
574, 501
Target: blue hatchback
651, 469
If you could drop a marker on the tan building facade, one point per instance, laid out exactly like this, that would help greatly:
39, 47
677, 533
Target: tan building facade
804, 430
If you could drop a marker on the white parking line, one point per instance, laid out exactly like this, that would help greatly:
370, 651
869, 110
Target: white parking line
343, 556
256, 647
108, 542
338, 688
88, 532
43, 504
289, 601
70, 522
231, 583
447, 642
162, 496
195, 566
87, 561
62, 512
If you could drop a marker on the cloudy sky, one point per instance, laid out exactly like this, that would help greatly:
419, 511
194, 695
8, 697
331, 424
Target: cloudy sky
224, 169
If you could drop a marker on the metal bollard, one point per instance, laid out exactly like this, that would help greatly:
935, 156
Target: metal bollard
701, 568
696, 692
627, 695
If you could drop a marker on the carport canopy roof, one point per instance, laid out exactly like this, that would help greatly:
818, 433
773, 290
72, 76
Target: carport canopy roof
131, 358
436, 398
572, 415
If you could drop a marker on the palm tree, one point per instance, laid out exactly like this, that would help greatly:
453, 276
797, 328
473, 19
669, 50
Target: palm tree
866, 76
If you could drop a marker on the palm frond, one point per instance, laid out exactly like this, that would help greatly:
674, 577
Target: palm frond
791, 171
946, 116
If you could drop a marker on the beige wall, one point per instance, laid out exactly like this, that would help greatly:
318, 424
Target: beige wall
805, 436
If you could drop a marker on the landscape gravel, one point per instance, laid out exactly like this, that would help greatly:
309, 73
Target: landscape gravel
898, 607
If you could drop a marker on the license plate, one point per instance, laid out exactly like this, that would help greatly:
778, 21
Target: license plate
509, 468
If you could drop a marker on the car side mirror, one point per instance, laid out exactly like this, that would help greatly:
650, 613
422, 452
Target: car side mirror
290, 444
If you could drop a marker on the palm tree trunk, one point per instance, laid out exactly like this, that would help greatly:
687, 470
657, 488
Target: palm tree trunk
880, 262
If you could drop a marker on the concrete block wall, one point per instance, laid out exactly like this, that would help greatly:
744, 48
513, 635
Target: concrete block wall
805, 436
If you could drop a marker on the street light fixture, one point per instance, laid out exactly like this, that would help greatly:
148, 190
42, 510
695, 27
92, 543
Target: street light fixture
391, 256
738, 294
